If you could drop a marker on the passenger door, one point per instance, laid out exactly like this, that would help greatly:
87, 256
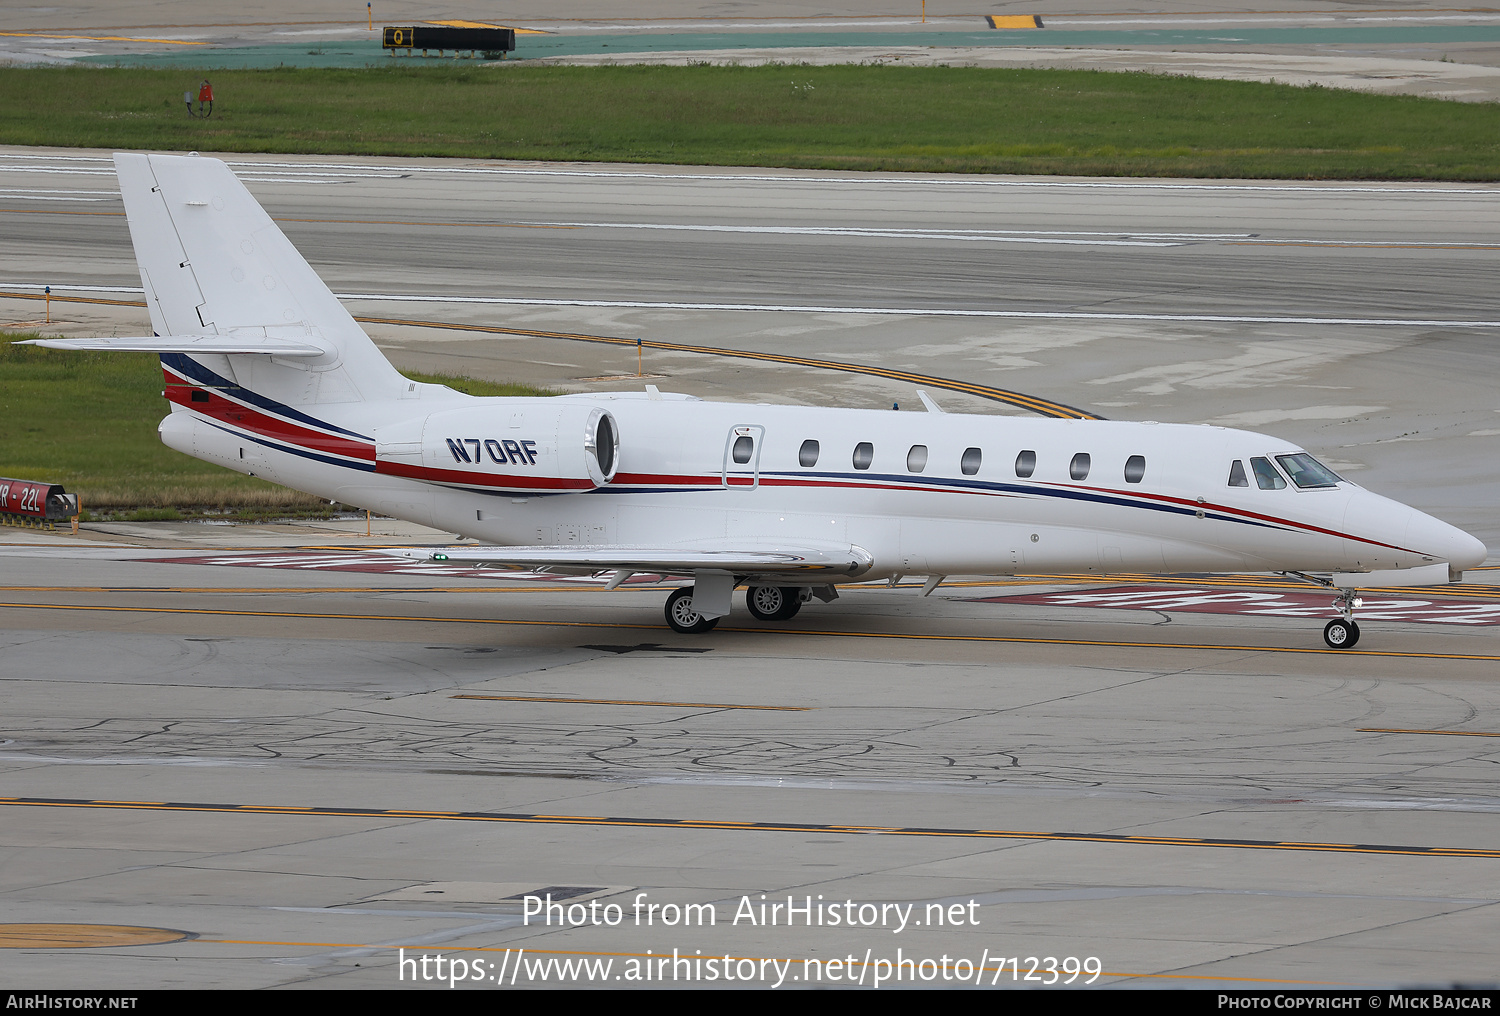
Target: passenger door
742, 456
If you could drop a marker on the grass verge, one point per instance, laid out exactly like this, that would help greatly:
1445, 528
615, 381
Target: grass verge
844, 117
88, 421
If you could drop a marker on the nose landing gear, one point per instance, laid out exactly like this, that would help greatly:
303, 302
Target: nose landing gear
1342, 632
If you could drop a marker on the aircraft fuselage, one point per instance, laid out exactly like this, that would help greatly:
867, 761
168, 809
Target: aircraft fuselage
922, 493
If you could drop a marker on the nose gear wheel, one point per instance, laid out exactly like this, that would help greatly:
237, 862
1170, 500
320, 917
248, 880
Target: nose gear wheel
1341, 634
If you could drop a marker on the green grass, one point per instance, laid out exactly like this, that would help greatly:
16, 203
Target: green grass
847, 117
88, 421
481, 387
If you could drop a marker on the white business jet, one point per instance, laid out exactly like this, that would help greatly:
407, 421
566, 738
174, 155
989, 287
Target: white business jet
268, 374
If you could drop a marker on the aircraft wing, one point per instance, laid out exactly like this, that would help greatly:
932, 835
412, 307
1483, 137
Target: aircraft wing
771, 561
184, 344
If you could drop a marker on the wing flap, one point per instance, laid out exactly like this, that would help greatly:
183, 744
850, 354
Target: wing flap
743, 559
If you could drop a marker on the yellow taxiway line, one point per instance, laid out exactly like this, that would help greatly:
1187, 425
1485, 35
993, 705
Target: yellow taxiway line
1456, 733
633, 702
719, 825
1460, 592
1031, 403
1020, 400
805, 633
99, 38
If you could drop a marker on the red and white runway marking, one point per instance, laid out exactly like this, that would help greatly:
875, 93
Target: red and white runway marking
1276, 604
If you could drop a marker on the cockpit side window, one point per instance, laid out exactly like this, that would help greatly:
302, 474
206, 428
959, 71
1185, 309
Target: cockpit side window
1266, 476
1237, 474
1307, 472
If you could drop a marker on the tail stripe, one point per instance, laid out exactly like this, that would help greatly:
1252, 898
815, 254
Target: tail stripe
368, 467
194, 371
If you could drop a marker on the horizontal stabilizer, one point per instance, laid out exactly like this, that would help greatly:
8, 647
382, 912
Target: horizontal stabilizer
831, 561
213, 263
183, 344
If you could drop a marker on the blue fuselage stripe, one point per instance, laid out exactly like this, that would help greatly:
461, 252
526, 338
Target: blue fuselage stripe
364, 467
190, 368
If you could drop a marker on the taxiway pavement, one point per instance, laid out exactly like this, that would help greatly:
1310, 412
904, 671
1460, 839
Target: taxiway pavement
307, 769
1357, 320
1421, 48
299, 769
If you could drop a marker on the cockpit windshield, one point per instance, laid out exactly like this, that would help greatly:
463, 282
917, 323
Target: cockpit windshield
1307, 472
1266, 476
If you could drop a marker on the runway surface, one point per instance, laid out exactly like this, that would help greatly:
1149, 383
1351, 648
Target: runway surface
1357, 320
1418, 48
307, 769
286, 764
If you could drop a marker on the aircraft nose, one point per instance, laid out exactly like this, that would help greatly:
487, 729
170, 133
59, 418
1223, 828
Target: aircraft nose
1448, 543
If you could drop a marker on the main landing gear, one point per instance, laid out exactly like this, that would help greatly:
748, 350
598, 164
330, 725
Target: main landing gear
683, 618
766, 603
773, 603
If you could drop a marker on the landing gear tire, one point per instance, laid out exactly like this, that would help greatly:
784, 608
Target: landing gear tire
1341, 634
681, 616
773, 603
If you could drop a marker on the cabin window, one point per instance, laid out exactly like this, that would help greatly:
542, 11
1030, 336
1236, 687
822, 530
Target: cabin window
970, 462
808, 453
1078, 469
1266, 476
199, 395
744, 447
1025, 464
916, 459
1135, 469
1307, 472
864, 454
1237, 474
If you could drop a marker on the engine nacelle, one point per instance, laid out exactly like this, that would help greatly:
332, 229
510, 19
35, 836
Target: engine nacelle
505, 446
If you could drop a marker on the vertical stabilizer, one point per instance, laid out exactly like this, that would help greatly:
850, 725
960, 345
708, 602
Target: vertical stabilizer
213, 263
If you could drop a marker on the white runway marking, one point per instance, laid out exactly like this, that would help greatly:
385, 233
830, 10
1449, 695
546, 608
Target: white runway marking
691, 176
57, 169
709, 24
1256, 21
1277, 604
11, 193
1045, 315
990, 235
